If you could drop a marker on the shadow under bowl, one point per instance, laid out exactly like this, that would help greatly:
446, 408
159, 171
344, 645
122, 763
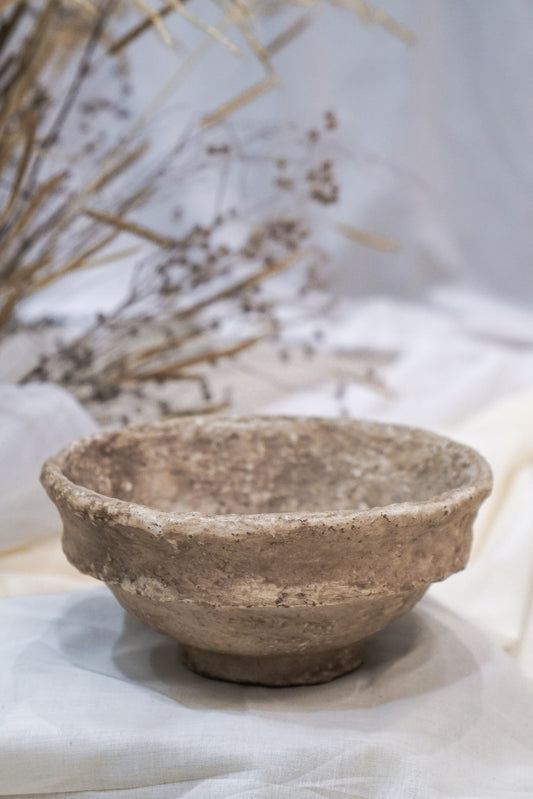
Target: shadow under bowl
268, 547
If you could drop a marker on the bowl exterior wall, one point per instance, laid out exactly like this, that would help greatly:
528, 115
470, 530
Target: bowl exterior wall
268, 631
291, 589
272, 562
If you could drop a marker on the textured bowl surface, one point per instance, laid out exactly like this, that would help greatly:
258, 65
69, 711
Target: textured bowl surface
270, 548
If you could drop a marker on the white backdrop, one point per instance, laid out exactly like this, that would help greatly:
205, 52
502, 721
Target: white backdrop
444, 131
441, 132
434, 142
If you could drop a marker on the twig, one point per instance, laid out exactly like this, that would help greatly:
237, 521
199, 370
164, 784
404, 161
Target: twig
163, 347
368, 238
28, 65
6, 311
29, 124
210, 30
9, 26
236, 288
176, 368
370, 14
76, 263
118, 169
74, 88
245, 97
44, 191
285, 37
136, 31
199, 410
130, 227
156, 20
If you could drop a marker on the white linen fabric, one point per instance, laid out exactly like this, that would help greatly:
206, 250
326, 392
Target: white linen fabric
95, 704
495, 592
454, 374
449, 363
36, 420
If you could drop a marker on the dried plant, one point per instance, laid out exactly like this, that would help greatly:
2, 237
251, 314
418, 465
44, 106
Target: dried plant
72, 195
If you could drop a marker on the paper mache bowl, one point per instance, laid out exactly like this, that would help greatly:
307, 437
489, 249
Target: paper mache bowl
270, 548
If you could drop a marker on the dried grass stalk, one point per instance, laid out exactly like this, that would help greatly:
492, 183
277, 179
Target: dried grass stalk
30, 62
80, 261
156, 20
368, 239
106, 177
177, 368
127, 226
44, 192
246, 283
373, 15
210, 30
245, 97
284, 38
117, 46
29, 123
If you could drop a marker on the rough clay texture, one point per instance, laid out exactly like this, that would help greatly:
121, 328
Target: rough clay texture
270, 548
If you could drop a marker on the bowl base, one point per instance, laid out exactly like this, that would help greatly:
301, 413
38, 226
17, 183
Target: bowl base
308, 668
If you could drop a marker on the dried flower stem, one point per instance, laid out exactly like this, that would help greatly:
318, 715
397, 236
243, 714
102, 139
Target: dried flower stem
237, 288
156, 20
30, 61
245, 97
29, 128
6, 311
43, 193
9, 26
71, 266
149, 353
368, 239
130, 227
177, 368
370, 14
117, 46
199, 410
114, 171
210, 30
286, 37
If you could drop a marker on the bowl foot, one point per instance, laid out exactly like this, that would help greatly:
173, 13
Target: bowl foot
308, 668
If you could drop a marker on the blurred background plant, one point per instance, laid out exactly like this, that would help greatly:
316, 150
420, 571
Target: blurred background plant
86, 185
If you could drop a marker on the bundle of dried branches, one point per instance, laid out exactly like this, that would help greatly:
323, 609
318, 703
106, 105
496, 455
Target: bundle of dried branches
66, 198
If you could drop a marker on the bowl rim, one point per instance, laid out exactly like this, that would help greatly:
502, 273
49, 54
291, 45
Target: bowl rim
80, 499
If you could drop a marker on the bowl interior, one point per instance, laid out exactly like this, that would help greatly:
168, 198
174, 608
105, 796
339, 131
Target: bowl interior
270, 465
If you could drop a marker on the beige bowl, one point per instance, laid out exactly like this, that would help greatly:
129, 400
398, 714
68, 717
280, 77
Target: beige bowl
270, 548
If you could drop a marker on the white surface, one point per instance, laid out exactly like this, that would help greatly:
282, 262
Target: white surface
36, 421
495, 592
453, 374
95, 704
449, 365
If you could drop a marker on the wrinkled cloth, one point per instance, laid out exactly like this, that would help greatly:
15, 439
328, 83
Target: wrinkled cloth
40, 568
95, 704
495, 591
453, 376
36, 421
